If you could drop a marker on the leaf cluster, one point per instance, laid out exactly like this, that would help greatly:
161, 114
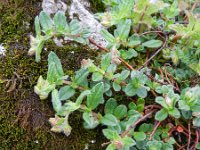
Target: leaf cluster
154, 104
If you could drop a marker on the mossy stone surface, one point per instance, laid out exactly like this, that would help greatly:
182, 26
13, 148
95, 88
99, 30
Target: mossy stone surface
23, 117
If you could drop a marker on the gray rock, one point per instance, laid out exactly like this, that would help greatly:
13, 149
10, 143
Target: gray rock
77, 8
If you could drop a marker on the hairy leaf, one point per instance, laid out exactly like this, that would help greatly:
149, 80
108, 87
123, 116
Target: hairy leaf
96, 96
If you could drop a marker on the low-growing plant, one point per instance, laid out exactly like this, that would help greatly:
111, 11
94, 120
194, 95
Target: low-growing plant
154, 111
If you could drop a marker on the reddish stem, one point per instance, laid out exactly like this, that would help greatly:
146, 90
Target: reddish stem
137, 122
189, 135
154, 130
197, 138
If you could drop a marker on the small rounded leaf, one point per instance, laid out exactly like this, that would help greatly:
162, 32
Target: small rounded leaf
120, 111
152, 43
111, 104
139, 136
109, 120
161, 115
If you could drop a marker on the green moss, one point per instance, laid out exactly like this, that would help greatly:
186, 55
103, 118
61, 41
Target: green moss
17, 128
16, 19
23, 117
97, 6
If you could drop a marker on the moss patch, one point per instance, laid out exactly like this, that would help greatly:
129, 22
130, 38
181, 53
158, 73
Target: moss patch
23, 117
97, 6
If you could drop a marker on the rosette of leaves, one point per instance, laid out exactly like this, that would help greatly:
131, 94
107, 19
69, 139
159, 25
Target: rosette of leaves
46, 28
190, 104
121, 34
137, 85
118, 118
144, 9
168, 102
125, 43
188, 44
105, 72
140, 11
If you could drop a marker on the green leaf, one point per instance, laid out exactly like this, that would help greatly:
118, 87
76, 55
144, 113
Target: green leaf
133, 41
109, 120
60, 22
46, 22
109, 37
90, 121
57, 105
37, 27
116, 87
112, 68
142, 92
120, 111
109, 93
81, 77
154, 145
160, 100
111, 134
146, 127
96, 76
38, 49
69, 106
111, 147
152, 44
52, 74
105, 62
186, 114
198, 145
123, 29
110, 105
139, 136
167, 146
52, 57
133, 112
66, 92
196, 122
161, 115
81, 40
55, 71
130, 90
96, 96
132, 105
175, 113
106, 85
128, 54
128, 141
75, 27
43, 88
133, 118
81, 96
183, 105
124, 74
140, 104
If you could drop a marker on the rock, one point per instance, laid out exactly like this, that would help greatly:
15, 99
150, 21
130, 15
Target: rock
78, 8
52, 6
2, 50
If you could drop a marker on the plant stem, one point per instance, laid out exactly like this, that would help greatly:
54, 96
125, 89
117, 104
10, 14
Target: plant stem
127, 64
137, 122
106, 50
154, 130
189, 133
197, 138
157, 51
